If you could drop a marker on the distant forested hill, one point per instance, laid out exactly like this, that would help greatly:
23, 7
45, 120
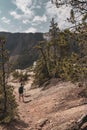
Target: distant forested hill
21, 47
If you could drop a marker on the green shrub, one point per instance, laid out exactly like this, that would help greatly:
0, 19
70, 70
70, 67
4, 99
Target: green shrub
16, 74
11, 106
23, 77
20, 76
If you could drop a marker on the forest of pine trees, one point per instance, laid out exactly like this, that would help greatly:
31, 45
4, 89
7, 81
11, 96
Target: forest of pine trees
64, 56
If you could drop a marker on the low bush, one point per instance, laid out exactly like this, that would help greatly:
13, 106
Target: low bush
20, 76
11, 111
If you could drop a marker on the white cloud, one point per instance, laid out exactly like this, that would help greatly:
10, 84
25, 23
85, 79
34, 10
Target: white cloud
5, 20
31, 29
15, 15
25, 21
40, 18
35, 23
24, 17
60, 14
37, 13
36, 4
24, 6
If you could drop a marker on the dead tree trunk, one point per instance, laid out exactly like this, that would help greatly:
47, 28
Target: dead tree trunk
82, 120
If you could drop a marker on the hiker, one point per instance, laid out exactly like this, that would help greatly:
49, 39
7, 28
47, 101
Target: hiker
21, 92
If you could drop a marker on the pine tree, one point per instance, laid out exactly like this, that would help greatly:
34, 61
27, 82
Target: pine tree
61, 56
8, 105
3, 60
54, 31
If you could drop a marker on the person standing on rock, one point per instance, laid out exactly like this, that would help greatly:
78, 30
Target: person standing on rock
21, 92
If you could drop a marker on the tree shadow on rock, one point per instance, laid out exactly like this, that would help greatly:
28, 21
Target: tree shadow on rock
27, 95
16, 125
27, 101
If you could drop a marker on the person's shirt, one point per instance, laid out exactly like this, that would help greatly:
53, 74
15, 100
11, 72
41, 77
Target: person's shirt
21, 89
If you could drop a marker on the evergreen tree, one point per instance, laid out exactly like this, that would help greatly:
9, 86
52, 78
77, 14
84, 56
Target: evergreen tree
3, 60
54, 31
66, 63
8, 105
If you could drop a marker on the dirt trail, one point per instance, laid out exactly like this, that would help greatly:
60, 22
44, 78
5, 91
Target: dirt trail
52, 109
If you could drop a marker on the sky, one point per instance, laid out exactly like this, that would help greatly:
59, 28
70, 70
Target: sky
31, 15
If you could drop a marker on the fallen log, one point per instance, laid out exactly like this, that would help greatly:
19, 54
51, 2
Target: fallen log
78, 125
82, 120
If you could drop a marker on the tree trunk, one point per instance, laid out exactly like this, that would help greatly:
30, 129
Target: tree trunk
3, 78
82, 120
44, 57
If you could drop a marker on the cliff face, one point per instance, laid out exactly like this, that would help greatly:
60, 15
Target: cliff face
21, 47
